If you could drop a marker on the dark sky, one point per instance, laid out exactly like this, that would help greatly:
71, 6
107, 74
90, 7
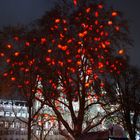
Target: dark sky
25, 11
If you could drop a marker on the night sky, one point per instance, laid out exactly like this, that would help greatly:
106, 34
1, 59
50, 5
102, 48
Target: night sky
26, 11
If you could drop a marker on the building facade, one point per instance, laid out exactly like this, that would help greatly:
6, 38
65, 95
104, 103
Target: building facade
13, 113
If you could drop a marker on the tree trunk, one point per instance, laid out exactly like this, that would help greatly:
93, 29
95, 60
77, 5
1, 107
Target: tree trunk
29, 123
130, 128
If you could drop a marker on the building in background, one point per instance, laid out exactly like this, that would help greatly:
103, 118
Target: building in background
11, 114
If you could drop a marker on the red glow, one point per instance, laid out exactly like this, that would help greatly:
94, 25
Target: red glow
16, 38
2, 54
82, 34
65, 29
64, 21
107, 42
48, 59
86, 84
16, 54
64, 48
26, 70
110, 22
75, 2
61, 35
13, 78
69, 41
57, 20
96, 14
43, 40
121, 52
49, 51
9, 46
67, 52
31, 62
103, 46
114, 14
5, 74
20, 86
117, 28
107, 62
100, 6
102, 84
80, 42
27, 44
88, 10
78, 62
100, 65
27, 82
69, 60
89, 71
8, 60
60, 63
96, 22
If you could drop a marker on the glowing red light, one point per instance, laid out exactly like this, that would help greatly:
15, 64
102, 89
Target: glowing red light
13, 78
69, 41
100, 65
102, 84
78, 62
110, 22
43, 40
121, 52
26, 70
89, 71
103, 46
117, 28
86, 84
5, 74
16, 54
2, 54
8, 60
96, 22
27, 44
96, 14
57, 20
16, 38
9, 46
20, 86
100, 6
49, 51
48, 59
69, 60
88, 10
75, 2
114, 14
27, 82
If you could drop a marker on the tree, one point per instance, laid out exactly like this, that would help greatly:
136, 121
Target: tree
128, 97
72, 55
21, 69
82, 50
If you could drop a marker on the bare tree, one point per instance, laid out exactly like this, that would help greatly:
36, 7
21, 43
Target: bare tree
128, 97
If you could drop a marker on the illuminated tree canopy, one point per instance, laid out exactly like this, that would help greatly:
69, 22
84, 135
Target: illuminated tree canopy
73, 56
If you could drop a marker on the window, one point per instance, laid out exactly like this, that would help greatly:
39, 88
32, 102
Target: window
1, 124
7, 114
6, 124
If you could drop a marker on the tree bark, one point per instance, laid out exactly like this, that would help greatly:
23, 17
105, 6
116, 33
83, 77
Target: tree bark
29, 123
